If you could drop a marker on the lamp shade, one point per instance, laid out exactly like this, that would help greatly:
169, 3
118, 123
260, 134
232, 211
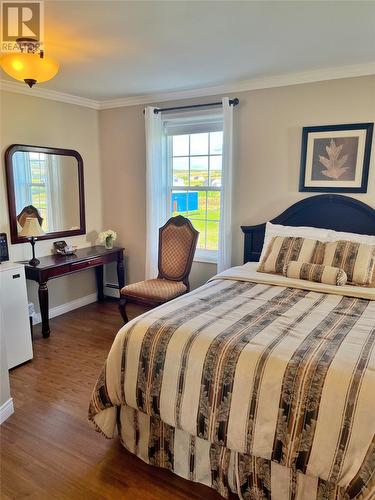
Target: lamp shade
31, 228
29, 67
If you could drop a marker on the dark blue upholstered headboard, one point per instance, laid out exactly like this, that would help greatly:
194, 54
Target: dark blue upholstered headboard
327, 211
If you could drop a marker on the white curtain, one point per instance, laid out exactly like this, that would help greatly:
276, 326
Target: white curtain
22, 180
156, 187
55, 206
225, 232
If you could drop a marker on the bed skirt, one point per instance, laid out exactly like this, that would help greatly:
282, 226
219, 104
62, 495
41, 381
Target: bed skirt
220, 468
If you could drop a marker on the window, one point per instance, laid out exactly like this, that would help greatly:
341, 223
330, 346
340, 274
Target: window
31, 181
38, 185
195, 163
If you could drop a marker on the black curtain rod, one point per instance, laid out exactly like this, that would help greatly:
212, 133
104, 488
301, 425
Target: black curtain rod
233, 102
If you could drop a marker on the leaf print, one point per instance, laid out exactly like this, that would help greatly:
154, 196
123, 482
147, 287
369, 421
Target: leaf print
264, 472
220, 487
368, 466
307, 436
222, 411
282, 428
334, 164
325, 491
254, 493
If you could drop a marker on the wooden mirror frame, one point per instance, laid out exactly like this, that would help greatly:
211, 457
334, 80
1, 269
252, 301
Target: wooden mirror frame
15, 238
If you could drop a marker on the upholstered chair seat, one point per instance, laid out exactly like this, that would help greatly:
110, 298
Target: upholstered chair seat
177, 243
159, 290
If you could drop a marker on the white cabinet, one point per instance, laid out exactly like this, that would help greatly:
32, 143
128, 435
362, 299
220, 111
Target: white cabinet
14, 306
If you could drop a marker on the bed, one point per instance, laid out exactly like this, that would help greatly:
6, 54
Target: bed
254, 384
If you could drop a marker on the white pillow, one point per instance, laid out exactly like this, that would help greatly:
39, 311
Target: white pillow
312, 233
357, 238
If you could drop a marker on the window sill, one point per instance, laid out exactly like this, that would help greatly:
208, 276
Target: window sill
206, 259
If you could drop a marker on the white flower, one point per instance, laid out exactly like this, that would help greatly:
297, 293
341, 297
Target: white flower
109, 234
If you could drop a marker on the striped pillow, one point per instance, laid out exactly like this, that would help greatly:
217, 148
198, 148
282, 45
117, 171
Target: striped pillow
356, 259
315, 272
281, 250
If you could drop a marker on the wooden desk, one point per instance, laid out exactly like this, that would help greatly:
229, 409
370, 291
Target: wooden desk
54, 266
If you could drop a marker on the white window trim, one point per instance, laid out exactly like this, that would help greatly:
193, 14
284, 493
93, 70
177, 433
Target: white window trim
201, 254
206, 256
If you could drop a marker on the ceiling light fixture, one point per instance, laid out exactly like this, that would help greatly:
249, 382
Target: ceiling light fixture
30, 64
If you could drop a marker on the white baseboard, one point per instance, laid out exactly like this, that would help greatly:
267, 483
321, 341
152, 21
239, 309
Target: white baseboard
68, 306
6, 410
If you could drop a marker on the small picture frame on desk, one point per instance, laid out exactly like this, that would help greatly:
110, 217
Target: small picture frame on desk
62, 248
59, 247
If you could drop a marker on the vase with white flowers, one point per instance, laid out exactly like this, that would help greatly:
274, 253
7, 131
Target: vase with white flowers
108, 237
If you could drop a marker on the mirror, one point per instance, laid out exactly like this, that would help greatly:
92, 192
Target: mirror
47, 184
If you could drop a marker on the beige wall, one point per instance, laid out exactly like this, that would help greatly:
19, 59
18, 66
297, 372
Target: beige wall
267, 158
122, 147
269, 143
112, 144
31, 120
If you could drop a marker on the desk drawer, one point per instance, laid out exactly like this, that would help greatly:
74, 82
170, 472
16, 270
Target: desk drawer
58, 271
76, 266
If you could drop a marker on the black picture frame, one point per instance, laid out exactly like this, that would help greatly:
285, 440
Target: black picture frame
362, 188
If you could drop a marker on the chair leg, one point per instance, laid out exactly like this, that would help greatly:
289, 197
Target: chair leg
122, 308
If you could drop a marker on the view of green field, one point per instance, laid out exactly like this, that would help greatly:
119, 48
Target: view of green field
208, 229
196, 162
197, 177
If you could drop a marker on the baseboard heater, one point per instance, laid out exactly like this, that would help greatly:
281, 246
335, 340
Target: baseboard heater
112, 285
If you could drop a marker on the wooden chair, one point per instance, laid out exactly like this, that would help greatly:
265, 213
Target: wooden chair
177, 243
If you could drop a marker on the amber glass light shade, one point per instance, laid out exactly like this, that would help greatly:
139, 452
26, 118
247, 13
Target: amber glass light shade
28, 67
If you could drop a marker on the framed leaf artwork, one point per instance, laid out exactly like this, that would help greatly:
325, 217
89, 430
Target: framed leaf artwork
336, 158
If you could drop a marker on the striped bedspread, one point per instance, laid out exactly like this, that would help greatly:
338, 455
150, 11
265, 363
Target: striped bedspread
283, 374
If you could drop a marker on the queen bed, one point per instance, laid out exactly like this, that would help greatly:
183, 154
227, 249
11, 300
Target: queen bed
255, 383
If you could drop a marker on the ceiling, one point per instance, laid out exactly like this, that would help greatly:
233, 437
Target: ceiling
113, 49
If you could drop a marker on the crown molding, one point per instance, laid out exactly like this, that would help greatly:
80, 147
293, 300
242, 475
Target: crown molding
246, 85
44, 93
229, 88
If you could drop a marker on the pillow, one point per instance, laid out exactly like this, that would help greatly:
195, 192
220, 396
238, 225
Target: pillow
359, 238
313, 233
281, 250
315, 272
356, 259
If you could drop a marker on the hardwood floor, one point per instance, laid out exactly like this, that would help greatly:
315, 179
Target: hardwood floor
48, 450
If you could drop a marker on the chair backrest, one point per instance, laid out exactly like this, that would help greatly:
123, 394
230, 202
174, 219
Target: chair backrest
177, 243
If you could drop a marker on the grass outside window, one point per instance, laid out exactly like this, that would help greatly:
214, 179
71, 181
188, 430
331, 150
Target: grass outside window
195, 179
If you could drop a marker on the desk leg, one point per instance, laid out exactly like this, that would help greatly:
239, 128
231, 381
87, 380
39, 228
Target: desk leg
43, 304
120, 271
99, 282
